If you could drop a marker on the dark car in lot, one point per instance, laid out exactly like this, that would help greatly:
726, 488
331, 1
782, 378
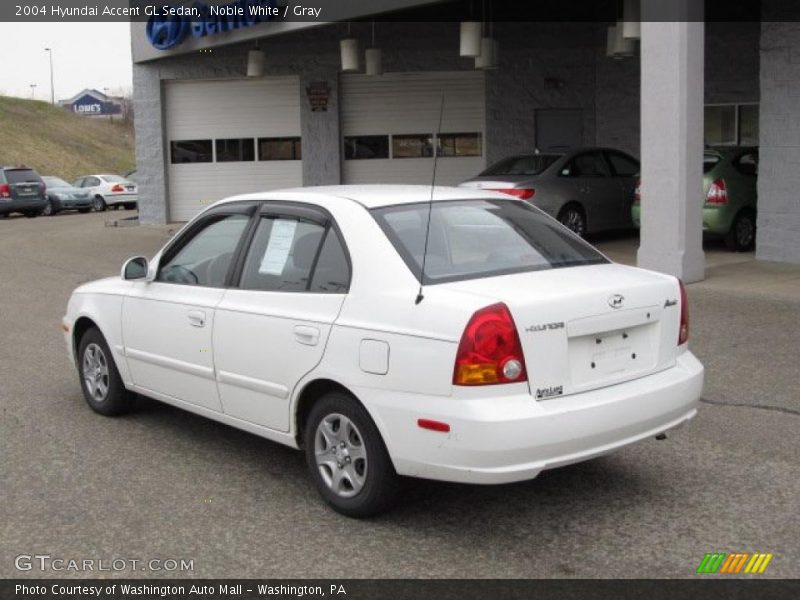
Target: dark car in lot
63, 196
21, 191
587, 189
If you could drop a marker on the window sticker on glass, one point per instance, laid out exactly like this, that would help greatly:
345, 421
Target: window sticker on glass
277, 253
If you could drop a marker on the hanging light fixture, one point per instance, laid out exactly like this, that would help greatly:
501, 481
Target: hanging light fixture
256, 60
623, 46
470, 45
373, 57
349, 52
490, 48
631, 15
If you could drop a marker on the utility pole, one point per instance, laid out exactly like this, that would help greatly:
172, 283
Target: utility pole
33, 91
52, 88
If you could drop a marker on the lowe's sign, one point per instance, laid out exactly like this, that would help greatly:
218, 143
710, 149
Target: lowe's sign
172, 25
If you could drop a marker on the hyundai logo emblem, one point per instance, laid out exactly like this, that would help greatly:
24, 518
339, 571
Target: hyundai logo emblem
165, 33
616, 301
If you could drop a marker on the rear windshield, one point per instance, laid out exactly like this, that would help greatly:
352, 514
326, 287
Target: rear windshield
22, 176
481, 238
115, 179
709, 162
532, 164
55, 182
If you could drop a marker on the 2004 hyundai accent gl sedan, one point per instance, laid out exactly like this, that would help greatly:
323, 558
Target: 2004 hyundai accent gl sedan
320, 318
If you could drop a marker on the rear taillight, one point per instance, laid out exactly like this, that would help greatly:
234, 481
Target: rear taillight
118, 188
490, 351
683, 334
717, 193
637, 192
5, 190
521, 193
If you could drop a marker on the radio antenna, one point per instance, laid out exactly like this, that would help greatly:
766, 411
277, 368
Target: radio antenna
435, 146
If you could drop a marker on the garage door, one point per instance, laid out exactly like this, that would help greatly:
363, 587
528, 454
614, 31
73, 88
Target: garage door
389, 126
229, 137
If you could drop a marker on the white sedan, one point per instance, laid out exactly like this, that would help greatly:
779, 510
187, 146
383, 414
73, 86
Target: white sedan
470, 338
109, 190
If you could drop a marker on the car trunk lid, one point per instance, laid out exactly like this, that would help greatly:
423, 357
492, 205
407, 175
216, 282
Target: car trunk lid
588, 327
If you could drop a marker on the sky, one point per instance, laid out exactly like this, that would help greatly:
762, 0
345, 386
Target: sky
85, 55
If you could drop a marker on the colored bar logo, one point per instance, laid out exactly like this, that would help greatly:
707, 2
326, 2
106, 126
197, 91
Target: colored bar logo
734, 563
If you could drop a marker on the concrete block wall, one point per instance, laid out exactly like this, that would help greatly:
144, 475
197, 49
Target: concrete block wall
779, 140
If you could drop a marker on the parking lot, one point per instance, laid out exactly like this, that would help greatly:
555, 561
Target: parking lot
164, 484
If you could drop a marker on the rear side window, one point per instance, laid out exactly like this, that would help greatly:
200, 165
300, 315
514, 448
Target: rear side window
588, 165
747, 163
289, 254
624, 166
533, 164
22, 176
481, 238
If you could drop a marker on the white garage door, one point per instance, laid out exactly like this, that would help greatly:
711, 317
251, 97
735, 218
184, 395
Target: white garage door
227, 137
389, 126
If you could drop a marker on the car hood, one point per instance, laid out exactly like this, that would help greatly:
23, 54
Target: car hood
107, 285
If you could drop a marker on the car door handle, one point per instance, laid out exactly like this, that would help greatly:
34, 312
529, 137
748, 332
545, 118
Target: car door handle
308, 336
197, 318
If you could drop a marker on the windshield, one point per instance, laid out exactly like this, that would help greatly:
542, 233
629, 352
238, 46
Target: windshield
481, 238
55, 182
22, 176
532, 164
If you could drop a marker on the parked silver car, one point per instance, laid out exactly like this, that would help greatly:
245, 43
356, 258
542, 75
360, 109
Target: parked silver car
587, 189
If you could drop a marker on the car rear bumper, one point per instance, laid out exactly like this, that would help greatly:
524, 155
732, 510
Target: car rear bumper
513, 438
122, 197
27, 204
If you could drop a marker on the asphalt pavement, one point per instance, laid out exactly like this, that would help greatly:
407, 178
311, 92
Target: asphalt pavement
164, 484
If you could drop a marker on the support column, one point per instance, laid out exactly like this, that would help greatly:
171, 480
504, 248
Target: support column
672, 139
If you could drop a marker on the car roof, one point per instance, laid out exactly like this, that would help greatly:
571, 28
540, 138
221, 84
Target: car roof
373, 195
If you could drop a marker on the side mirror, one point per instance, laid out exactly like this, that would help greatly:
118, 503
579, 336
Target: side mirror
135, 268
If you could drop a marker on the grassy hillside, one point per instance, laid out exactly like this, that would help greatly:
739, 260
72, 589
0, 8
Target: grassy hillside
56, 142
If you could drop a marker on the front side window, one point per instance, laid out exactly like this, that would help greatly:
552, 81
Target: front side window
204, 259
480, 238
289, 254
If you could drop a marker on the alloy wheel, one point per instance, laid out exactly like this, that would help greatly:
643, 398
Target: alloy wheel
95, 372
572, 219
745, 232
341, 456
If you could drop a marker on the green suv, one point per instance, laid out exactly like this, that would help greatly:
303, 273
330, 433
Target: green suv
729, 191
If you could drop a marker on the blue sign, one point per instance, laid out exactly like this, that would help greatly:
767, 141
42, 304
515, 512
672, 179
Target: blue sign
173, 25
90, 105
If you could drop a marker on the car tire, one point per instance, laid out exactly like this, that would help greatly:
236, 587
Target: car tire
102, 386
573, 217
347, 457
48, 210
742, 236
99, 204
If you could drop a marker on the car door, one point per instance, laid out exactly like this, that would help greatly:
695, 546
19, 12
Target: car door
625, 170
589, 177
272, 328
167, 323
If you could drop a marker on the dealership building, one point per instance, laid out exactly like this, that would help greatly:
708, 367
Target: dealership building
273, 104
